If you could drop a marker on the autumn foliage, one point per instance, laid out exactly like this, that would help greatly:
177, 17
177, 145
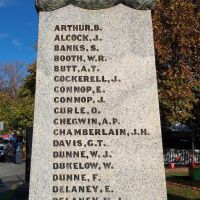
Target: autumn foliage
177, 42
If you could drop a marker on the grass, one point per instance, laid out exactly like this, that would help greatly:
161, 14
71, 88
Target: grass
176, 173
177, 193
180, 186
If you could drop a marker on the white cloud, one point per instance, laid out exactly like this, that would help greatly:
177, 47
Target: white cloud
5, 2
17, 43
3, 35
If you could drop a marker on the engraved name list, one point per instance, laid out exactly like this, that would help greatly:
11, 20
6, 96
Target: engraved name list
82, 142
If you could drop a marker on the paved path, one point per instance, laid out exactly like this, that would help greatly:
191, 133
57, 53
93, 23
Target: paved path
11, 177
11, 169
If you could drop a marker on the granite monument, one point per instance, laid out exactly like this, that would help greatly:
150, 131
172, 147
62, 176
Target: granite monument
96, 128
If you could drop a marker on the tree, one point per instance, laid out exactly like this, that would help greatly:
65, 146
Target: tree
16, 98
27, 97
11, 77
177, 44
30, 80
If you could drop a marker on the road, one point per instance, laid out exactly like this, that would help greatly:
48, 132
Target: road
11, 175
11, 169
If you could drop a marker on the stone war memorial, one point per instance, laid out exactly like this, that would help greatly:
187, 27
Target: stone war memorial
97, 129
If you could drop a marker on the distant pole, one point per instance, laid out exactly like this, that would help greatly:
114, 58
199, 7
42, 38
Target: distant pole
193, 150
1, 126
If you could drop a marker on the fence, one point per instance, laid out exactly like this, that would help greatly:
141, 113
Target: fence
181, 156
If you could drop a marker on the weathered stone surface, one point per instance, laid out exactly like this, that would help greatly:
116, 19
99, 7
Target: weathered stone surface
49, 5
117, 120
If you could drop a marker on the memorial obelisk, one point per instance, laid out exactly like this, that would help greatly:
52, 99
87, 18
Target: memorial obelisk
96, 126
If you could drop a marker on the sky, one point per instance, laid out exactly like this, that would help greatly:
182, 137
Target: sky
18, 31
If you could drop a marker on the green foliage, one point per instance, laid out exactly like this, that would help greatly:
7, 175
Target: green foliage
30, 80
16, 109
